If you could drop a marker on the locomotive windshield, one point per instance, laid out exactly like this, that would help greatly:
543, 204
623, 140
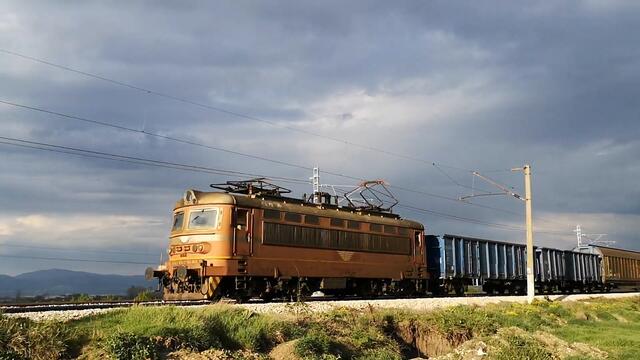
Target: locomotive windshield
201, 219
178, 219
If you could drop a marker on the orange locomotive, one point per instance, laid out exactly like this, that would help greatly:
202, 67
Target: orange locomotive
250, 241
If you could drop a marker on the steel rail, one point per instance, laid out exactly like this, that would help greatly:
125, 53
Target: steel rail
19, 308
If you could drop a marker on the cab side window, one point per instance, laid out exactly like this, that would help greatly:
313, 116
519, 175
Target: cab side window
241, 218
178, 219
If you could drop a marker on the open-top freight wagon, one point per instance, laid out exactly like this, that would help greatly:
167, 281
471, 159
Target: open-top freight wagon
456, 262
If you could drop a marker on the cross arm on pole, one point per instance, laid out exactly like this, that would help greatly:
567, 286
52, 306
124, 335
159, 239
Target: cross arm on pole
505, 190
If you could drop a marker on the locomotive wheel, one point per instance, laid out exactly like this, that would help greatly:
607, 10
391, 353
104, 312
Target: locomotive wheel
266, 296
242, 298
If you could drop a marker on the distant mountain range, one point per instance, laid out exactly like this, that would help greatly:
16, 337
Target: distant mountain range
64, 282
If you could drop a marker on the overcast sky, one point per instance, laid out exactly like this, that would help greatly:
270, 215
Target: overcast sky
469, 85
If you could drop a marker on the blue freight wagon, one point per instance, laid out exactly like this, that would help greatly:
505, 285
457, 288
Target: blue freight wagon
455, 262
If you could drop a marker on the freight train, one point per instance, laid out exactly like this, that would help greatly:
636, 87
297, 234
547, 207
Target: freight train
250, 241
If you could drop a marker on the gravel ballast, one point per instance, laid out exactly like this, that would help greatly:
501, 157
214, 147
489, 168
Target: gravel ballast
423, 304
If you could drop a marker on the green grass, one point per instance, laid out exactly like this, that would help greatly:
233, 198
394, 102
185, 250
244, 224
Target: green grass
509, 331
514, 346
613, 326
25, 339
621, 341
609, 325
155, 330
314, 344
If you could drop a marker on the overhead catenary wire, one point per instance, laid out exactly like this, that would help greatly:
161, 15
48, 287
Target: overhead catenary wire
184, 167
135, 160
454, 181
149, 91
75, 249
189, 167
50, 258
459, 218
487, 193
157, 93
240, 115
165, 137
468, 220
477, 221
253, 118
262, 158
443, 197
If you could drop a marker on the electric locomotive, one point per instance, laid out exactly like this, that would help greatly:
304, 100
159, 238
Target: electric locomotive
249, 240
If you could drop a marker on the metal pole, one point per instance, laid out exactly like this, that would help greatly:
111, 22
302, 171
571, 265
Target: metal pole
316, 185
529, 220
531, 289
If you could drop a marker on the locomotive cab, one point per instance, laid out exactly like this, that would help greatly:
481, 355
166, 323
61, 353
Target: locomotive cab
208, 235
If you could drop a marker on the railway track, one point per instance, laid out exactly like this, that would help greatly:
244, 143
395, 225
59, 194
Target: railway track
43, 307
17, 308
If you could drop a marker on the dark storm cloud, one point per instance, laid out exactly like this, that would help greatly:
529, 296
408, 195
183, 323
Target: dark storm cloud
475, 85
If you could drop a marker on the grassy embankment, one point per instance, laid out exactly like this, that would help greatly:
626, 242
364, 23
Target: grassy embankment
543, 330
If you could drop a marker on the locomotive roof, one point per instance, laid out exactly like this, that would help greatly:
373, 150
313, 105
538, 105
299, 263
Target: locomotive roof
294, 205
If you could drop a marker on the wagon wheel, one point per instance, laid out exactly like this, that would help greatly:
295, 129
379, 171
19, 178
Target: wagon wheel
488, 289
302, 290
242, 298
375, 289
266, 296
